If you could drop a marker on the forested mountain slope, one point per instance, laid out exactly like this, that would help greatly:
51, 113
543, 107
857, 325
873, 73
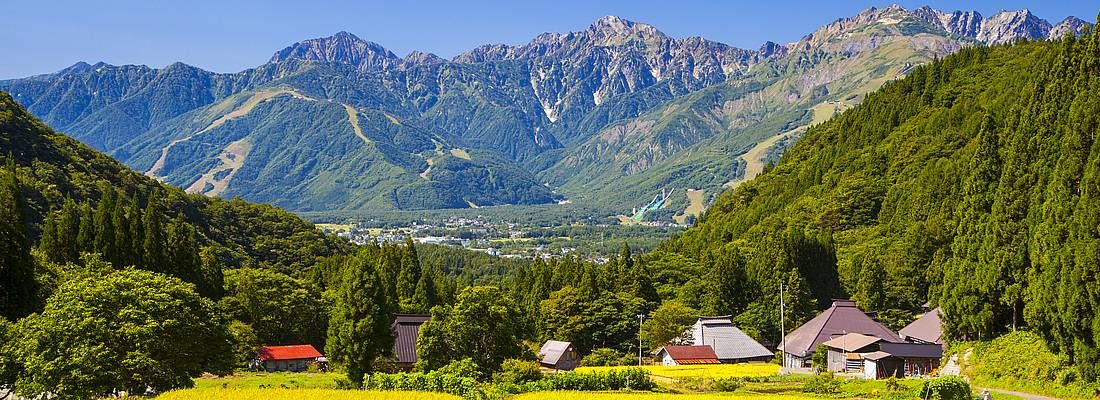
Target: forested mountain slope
972, 183
606, 116
65, 181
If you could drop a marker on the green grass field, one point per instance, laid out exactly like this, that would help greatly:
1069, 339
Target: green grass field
700, 371
297, 394
284, 380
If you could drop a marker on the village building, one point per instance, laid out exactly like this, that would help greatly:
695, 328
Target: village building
842, 317
294, 358
926, 329
406, 329
687, 355
901, 360
845, 353
559, 356
730, 344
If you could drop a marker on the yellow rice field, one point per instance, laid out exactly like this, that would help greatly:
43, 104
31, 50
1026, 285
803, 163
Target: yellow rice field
701, 371
297, 394
654, 396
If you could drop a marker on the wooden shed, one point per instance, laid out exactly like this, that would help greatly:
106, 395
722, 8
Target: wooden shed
559, 356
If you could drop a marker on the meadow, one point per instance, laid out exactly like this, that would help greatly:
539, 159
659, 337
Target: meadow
297, 394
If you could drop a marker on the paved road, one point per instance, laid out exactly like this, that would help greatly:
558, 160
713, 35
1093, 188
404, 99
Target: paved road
1028, 396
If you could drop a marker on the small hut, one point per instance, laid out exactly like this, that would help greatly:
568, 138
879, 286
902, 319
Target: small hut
294, 358
560, 356
687, 355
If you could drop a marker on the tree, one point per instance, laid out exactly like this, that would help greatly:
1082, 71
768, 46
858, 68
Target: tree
129, 331
667, 323
279, 309
359, 329
154, 245
245, 341
484, 325
610, 320
18, 288
103, 223
427, 294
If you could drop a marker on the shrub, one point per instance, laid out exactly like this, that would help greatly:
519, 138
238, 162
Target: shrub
517, 371
434, 381
603, 357
626, 379
820, 358
727, 384
465, 368
824, 383
946, 388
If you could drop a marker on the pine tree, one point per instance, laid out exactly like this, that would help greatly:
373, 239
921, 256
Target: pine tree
154, 249
137, 235
359, 328
427, 294
409, 277
104, 223
18, 288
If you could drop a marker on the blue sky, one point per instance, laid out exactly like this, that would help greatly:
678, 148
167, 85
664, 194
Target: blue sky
229, 35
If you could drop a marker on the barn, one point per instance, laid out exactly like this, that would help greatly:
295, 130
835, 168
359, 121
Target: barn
561, 356
294, 358
687, 355
406, 330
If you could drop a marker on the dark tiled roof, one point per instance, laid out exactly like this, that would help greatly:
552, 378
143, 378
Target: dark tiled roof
294, 352
928, 328
406, 329
841, 318
691, 354
552, 351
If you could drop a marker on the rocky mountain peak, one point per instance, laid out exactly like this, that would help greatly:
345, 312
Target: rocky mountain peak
417, 58
612, 30
1009, 26
342, 47
1071, 24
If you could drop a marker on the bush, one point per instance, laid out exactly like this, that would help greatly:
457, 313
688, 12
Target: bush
626, 379
517, 372
824, 383
727, 384
603, 357
465, 368
434, 381
946, 388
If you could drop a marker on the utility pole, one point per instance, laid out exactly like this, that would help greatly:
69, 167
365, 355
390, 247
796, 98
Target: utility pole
641, 317
782, 326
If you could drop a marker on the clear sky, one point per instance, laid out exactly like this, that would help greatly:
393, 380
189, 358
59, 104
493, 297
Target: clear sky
42, 36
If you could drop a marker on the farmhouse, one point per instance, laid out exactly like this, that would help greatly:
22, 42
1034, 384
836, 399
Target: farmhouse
293, 358
406, 329
926, 329
842, 318
846, 352
687, 355
902, 359
730, 344
559, 356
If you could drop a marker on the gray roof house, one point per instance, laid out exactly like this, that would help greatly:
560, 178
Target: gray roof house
730, 344
559, 355
842, 318
926, 329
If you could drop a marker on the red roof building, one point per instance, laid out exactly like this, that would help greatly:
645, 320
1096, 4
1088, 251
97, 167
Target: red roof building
686, 355
288, 358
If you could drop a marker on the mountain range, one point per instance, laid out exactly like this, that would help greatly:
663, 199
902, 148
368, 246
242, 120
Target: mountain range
607, 116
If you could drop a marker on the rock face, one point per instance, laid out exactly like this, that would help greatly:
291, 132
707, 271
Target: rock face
1002, 27
612, 112
1072, 25
1010, 26
341, 47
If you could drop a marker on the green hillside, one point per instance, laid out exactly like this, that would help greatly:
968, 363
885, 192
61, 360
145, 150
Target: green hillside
971, 184
54, 169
